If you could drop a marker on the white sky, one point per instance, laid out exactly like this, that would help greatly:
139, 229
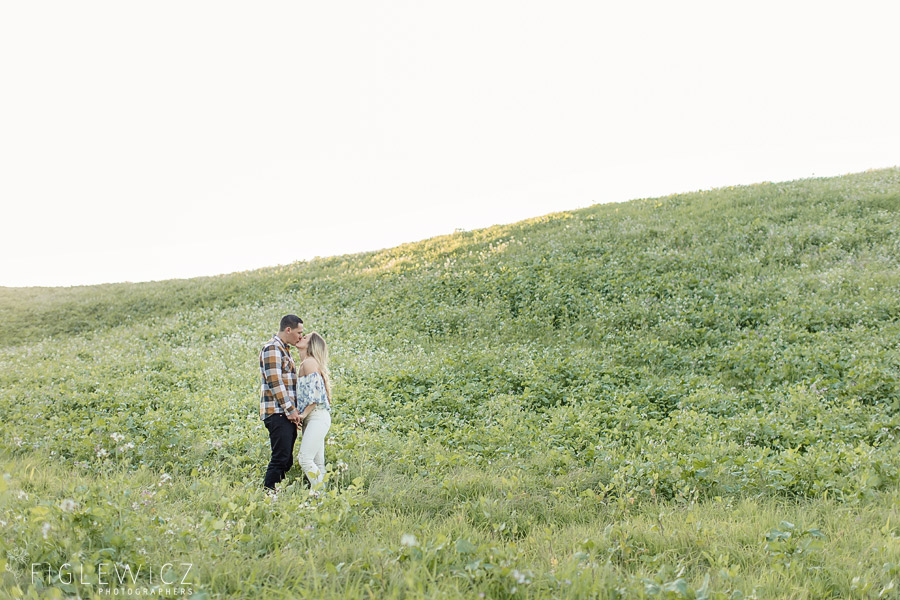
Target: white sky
152, 140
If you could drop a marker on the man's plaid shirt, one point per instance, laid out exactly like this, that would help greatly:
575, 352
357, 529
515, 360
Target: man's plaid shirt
279, 380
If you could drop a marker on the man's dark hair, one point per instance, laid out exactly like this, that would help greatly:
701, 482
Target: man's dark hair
290, 321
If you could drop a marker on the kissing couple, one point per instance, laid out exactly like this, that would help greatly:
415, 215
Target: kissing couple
290, 401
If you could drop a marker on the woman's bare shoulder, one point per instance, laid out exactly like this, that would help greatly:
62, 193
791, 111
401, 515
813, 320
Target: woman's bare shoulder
310, 365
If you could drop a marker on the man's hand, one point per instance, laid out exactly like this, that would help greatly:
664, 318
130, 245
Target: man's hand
294, 417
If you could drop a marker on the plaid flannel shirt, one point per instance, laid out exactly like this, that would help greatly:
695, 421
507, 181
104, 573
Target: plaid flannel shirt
279, 379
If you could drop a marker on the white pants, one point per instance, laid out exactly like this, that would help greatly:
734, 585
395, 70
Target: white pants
311, 457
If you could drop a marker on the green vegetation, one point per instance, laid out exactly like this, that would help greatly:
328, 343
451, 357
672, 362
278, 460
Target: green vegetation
687, 397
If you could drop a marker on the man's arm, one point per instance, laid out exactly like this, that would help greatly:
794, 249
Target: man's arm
272, 374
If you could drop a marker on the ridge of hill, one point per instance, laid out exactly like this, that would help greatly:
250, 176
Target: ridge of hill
713, 236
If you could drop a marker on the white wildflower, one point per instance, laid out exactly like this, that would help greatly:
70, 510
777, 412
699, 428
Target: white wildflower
117, 437
22, 495
164, 479
409, 540
519, 577
101, 452
67, 505
45, 529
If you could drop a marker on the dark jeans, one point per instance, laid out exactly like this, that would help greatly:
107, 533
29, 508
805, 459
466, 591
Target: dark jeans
282, 435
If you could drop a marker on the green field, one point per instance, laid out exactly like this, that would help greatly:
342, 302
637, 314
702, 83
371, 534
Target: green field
695, 396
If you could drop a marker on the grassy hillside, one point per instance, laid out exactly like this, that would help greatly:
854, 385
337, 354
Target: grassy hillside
685, 397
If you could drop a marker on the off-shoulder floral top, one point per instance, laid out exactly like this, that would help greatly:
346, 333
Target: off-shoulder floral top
311, 390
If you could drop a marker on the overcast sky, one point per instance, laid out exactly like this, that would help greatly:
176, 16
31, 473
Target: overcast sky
154, 140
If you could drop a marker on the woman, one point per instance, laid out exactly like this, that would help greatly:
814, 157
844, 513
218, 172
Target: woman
314, 403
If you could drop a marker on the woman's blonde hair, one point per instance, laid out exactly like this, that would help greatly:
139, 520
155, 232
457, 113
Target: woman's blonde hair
318, 349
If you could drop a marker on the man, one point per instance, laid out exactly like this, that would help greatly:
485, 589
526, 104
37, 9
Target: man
278, 402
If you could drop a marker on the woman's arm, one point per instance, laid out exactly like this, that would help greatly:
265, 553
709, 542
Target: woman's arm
307, 410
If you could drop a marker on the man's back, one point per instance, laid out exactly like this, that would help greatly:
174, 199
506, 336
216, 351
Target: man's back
279, 379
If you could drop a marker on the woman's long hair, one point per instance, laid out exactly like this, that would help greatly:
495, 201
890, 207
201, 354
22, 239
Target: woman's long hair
319, 351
